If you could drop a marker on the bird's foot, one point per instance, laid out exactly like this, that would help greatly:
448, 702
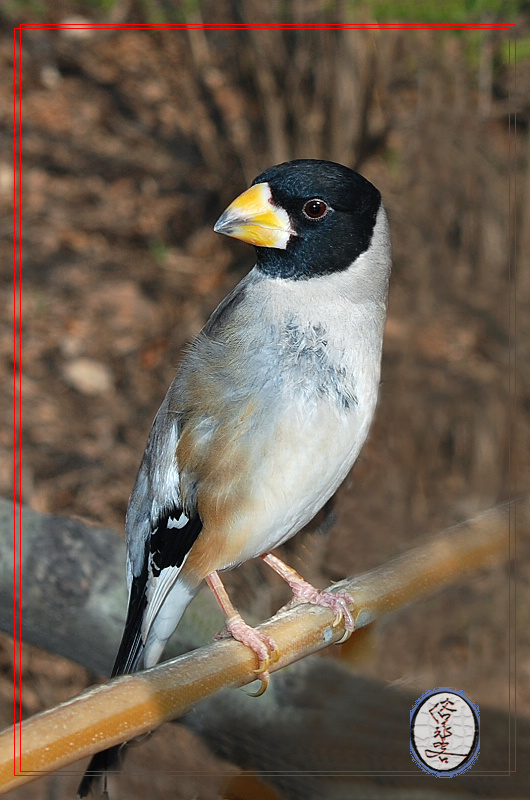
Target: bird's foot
339, 602
264, 646
304, 592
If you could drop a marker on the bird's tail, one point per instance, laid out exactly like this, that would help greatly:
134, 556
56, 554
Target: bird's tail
127, 660
134, 654
97, 770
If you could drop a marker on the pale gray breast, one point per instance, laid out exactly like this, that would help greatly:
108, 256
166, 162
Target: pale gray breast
266, 341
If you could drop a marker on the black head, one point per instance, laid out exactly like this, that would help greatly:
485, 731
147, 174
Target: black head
332, 212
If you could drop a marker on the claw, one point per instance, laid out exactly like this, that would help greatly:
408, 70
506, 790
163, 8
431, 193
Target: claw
343, 613
264, 678
271, 658
275, 655
262, 645
263, 666
344, 638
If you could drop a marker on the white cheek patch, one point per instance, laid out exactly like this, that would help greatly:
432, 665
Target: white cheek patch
285, 230
283, 239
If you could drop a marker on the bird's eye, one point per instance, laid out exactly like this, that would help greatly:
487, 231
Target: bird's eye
315, 209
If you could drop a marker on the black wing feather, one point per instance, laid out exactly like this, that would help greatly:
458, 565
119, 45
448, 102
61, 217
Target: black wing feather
99, 765
170, 546
166, 547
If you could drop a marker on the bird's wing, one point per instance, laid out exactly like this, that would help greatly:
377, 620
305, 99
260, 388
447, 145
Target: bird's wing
166, 550
160, 531
159, 536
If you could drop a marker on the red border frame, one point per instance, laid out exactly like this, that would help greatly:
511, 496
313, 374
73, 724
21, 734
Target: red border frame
511, 29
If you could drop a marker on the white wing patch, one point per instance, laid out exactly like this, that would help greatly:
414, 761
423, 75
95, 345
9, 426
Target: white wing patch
178, 523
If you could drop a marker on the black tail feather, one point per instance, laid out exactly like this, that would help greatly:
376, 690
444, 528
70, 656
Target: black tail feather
96, 772
129, 655
131, 646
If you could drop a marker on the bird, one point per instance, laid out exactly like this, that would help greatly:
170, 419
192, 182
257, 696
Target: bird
268, 411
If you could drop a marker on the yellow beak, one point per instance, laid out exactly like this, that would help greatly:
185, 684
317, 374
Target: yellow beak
253, 218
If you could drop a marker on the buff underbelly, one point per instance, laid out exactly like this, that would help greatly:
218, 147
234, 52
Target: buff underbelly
294, 471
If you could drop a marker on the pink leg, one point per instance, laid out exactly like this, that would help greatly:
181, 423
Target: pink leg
264, 646
306, 593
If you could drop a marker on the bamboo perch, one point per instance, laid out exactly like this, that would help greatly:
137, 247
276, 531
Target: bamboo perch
134, 704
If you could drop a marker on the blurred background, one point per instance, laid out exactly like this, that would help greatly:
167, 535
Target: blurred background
133, 142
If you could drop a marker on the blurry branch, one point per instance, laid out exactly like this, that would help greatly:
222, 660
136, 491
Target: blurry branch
228, 98
309, 106
485, 74
131, 705
267, 49
252, 97
207, 136
268, 95
353, 67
